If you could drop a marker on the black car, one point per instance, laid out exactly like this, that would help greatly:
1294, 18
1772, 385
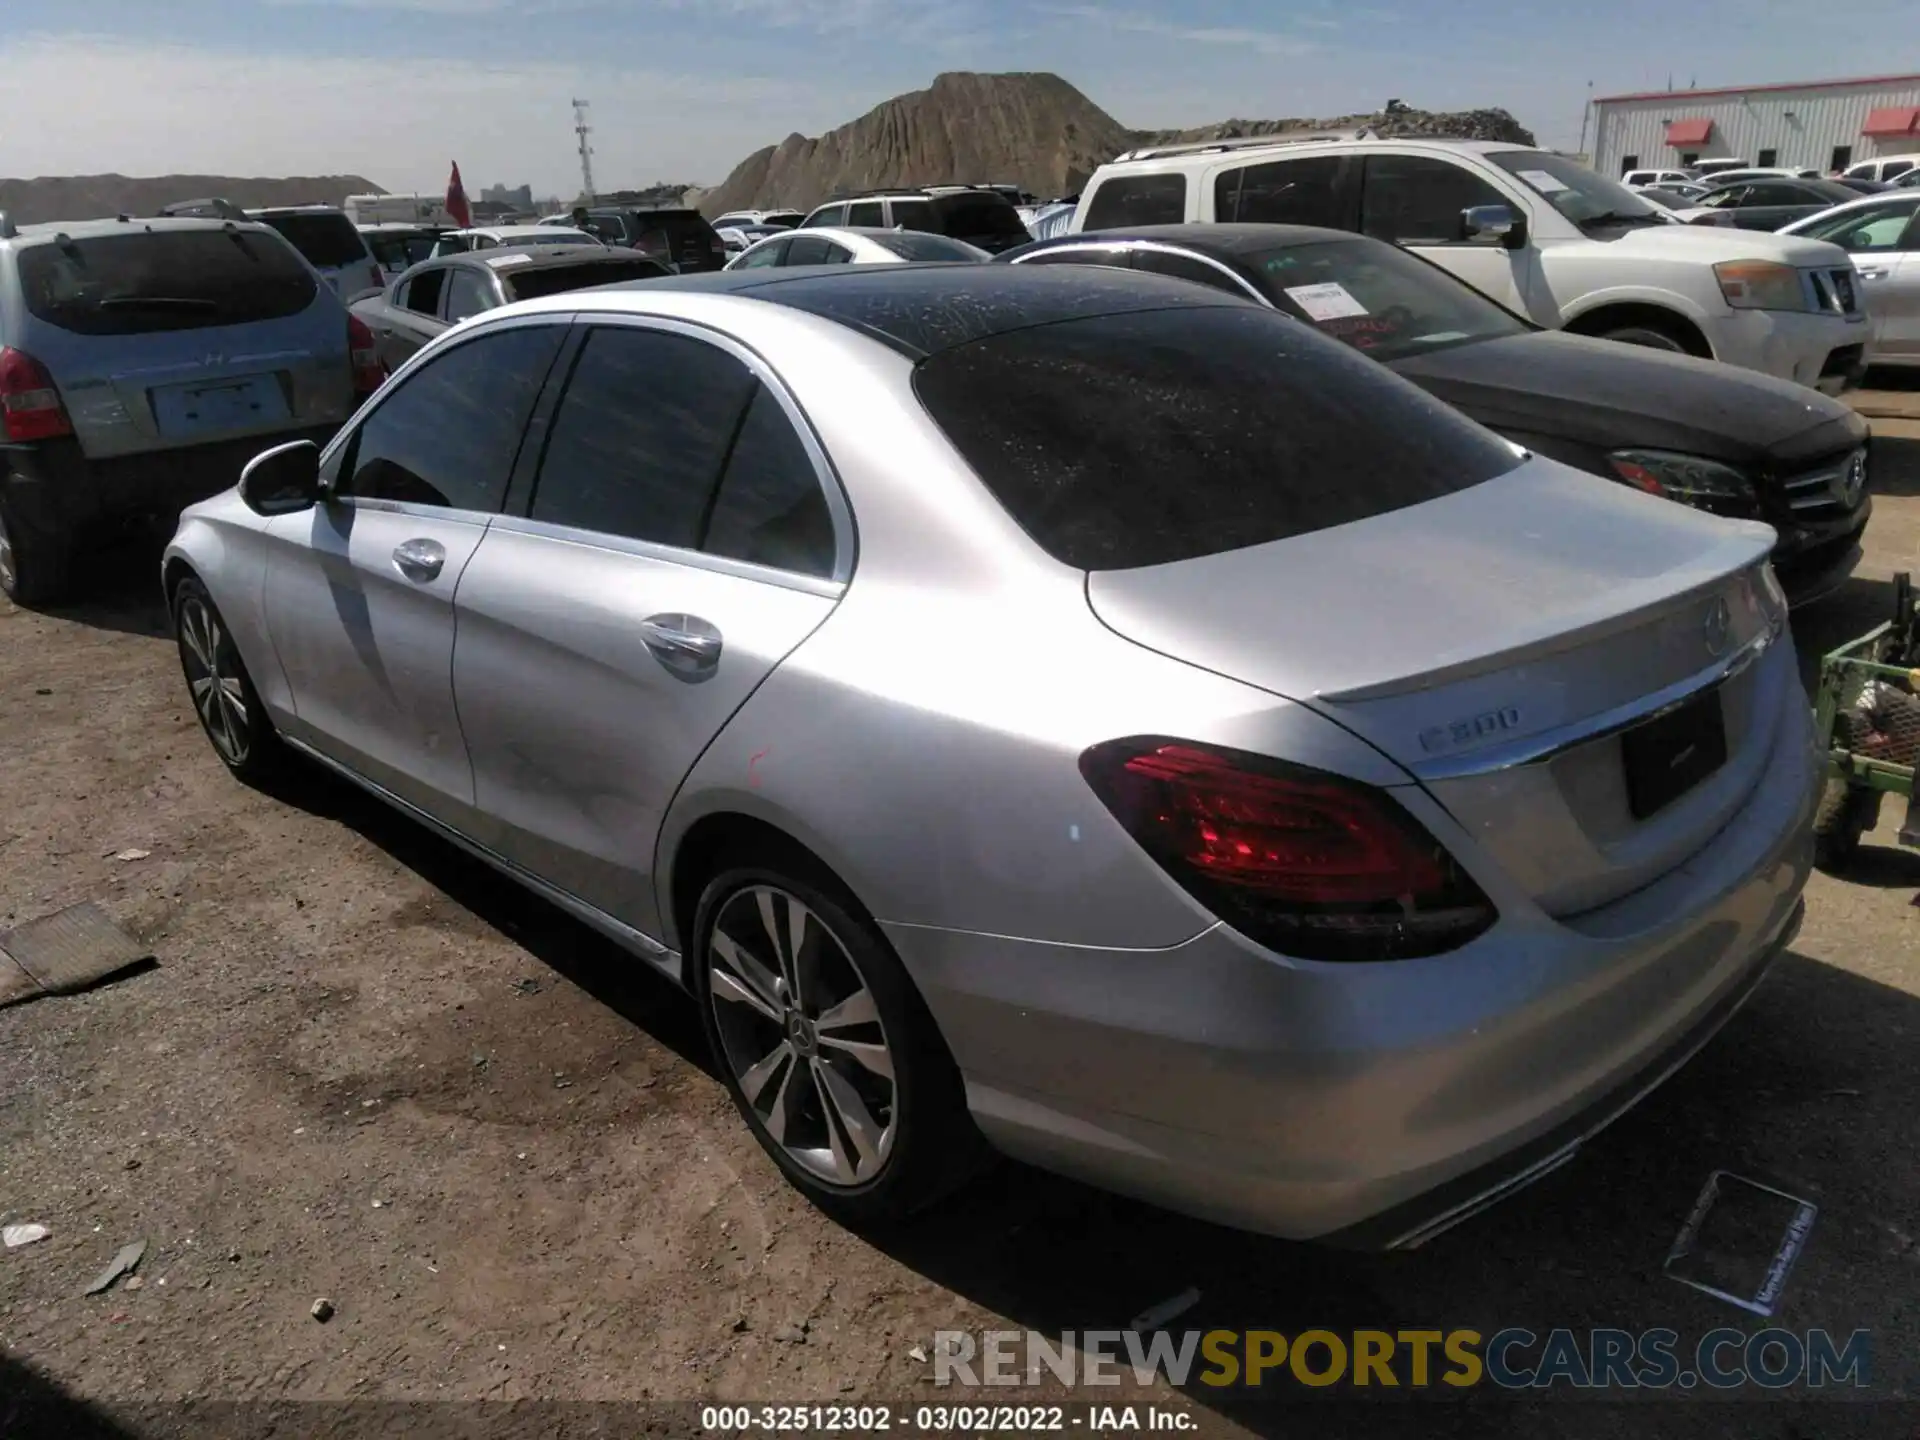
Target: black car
679, 238
1769, 204
443, 291
1730, 441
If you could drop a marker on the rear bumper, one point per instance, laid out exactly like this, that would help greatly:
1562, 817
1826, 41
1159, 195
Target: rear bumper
1367, 1104
55, 487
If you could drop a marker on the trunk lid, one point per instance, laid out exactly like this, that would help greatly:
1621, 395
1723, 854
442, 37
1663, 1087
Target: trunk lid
1499, 643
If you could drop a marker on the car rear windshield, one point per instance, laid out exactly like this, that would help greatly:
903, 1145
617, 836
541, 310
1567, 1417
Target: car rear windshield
917, 245
397, 251
329, 241
1378, 298
147, 281
1162, 435
556, 279
970, 215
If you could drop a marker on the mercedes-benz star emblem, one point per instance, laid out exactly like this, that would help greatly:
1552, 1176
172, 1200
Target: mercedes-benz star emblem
1853, 480
1718, 627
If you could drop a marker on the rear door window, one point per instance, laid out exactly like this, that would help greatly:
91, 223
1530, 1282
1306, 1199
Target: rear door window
809, 250
985, 216
773, 252
421, 294
447, 436
142, 282
867, 212
1283, 192
1158, 436
638, 440
827, 215
468, 293
915, 215
1418, 200
770, 509
1126, 200
327, 240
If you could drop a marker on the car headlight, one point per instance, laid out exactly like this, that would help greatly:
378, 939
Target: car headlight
1686, 478
1760, 285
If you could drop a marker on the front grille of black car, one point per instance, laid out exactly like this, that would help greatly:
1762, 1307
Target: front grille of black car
1821, 493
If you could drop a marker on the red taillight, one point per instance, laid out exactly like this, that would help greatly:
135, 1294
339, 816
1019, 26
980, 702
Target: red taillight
368, 372
1638, 476
30, 407
1301, 861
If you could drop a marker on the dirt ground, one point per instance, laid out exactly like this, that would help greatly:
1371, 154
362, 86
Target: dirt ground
367, 1069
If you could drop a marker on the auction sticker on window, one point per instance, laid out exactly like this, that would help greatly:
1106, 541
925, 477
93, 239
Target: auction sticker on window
1543, 182
1328, 301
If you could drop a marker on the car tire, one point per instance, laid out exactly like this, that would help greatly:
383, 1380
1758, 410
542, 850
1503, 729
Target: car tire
872, 1123
220, 689
36, 565
1844, 816
1649, 335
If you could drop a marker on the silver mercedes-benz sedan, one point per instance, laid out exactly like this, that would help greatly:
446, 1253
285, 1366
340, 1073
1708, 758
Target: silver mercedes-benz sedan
1067, 708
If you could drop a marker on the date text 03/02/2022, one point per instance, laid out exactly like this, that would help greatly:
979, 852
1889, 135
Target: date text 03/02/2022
940, 1419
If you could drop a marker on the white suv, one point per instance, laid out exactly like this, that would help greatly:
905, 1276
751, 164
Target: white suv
1545, 236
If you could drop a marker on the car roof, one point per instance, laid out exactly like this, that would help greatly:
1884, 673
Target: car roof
1174, 157
499, 230
919, 309
540, 257
295, 210
158, 224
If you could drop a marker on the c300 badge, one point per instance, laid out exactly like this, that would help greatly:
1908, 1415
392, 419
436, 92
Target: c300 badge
1470, 730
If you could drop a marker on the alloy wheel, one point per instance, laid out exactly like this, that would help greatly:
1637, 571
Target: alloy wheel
213, 675
801, 1032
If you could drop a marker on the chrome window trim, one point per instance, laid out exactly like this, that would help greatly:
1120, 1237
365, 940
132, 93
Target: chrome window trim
839, 507
1157, 247
650, 550
1550, 744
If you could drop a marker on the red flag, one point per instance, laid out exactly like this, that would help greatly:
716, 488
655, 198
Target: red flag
457, 205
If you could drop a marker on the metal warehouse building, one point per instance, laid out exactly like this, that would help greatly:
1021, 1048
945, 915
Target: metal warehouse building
1825, 124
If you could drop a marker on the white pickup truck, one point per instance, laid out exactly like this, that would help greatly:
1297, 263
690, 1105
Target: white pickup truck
1543, 235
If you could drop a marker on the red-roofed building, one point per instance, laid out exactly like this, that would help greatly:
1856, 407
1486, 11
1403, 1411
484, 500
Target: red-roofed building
1824, 125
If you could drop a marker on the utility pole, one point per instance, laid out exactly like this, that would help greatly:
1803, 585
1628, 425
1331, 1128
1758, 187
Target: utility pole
582, 129
1585, 113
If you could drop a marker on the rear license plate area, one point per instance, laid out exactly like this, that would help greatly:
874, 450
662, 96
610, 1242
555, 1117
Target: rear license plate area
1667, 756
213, 406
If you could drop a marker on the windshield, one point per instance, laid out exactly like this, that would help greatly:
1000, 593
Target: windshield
1576, 192
1377, 297
142, 282
398, 250
327, 240
557, 279
914, 245
966, 215
1161, 435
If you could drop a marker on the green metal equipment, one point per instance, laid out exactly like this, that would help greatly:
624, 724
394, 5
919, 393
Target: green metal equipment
1867, 717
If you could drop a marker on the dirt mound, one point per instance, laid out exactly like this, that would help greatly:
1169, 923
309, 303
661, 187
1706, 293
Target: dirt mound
1031, 130
88, 197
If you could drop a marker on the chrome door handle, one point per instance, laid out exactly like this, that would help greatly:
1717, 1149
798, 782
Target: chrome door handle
686, 645
420, 559
1873, 274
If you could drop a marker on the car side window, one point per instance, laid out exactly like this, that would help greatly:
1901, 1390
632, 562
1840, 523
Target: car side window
1729, 198
1186, 267
867, 212
422, 293
468, 294
1125, 200
1894, 168
448, 434
773, 252
836, 255
636, 445
825, 215
770, 509
1779, 194
808, 250
1282, 192
1865, 231
1418, 200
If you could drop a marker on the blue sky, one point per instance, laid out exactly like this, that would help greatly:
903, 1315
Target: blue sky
681, 89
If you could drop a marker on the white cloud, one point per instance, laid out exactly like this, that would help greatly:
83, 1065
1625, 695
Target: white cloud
1264, 42
143, 109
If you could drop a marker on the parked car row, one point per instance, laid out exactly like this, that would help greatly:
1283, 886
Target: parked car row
1053, 706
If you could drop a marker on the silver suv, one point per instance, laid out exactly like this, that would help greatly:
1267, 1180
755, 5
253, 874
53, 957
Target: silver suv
142, 363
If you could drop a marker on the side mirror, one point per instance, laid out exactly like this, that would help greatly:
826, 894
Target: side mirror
282, 480
1494, 222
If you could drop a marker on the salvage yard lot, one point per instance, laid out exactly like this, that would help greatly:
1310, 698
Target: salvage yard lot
368, 1069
